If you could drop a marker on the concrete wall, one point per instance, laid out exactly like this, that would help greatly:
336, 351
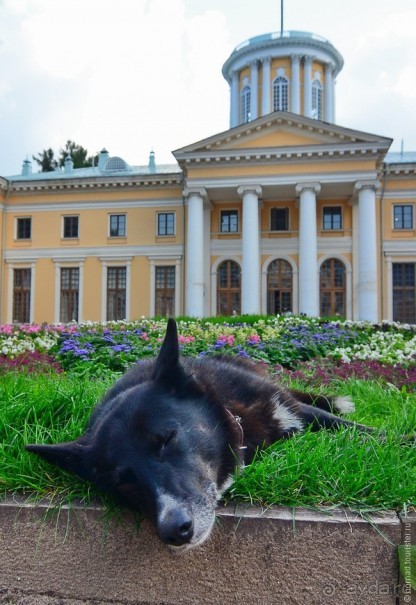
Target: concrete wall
274, 557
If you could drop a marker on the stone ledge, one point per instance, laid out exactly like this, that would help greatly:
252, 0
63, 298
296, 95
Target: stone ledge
270, 557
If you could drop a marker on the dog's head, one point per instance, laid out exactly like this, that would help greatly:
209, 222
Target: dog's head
160, 446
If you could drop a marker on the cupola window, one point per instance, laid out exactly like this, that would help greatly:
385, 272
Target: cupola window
317, 100
281, 94
245, 104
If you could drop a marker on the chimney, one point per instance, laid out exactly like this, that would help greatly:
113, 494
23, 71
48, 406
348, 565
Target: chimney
27, 167
152, 162
102, 159
69, 165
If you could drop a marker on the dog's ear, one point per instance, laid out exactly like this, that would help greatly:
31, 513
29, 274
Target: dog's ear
168, 370
70, 456
167, 362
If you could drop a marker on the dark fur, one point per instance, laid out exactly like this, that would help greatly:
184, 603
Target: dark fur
167, 437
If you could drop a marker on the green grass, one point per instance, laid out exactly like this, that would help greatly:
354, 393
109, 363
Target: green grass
346, 468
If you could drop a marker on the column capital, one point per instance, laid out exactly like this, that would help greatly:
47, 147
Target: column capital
295, 57
374, 185
200, 191
315, 187
266, 60
249, 189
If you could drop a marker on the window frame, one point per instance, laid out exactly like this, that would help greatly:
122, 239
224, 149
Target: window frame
281, 94
325, 209
403, 226
117, 215
21, 221
66, 217
317, 99
117, 293
70, 306
25, 291
245, 97
287, 218
166, 229
230, 212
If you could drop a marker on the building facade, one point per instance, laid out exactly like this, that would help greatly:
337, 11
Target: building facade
284, 212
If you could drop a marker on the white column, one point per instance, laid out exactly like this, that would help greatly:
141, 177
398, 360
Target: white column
234, 100
329, 89
266, 84
295, 97
308, 260
307, 87
250, 278
254, 85
367, 251
195, 252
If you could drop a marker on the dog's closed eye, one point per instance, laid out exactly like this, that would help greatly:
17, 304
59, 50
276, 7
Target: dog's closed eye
166, 441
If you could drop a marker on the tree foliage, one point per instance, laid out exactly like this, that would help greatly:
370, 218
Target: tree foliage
79, 155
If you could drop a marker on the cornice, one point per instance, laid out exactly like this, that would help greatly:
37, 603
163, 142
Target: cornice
70, 206
121, 182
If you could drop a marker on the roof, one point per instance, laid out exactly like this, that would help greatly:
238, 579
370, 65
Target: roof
400, 157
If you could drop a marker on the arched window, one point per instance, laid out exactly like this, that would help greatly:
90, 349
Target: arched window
228, 288
279, 287
333, 288
317, 99
245, 105
281, 94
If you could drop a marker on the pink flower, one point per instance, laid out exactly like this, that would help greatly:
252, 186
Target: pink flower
253, 339
184, 340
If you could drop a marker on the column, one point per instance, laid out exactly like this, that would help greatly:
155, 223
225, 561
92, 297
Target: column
266, 84
307, 87
195, 252
308, 261
254, 85
250, 278
234, 100
295, 104
329, 88
367, 283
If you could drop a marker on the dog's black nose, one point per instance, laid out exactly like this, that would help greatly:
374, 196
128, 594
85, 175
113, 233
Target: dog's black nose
176, 529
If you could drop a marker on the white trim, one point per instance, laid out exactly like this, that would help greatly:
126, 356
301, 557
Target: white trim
109, 261
113, 252
24, 264
75, 263
167, 262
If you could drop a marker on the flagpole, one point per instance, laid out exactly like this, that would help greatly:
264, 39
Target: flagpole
281, 17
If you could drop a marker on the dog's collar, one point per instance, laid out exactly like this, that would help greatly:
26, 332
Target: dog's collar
237, 419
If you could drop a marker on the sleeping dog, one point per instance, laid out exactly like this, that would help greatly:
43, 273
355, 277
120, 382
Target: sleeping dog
167, 437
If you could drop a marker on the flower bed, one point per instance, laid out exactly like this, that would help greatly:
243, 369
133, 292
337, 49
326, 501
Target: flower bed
294, 346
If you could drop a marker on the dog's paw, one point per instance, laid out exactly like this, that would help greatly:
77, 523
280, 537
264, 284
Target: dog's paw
344, 405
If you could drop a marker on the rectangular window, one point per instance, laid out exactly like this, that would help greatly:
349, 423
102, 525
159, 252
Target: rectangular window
404, 292
116, 293
117, 225
21, 295
229, 221
69, 303
24, 228
70, 228
279, 219
403, 216
166, 223
165, 291
332, 218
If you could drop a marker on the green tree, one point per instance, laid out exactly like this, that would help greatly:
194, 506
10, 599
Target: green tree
46, 160
78, 153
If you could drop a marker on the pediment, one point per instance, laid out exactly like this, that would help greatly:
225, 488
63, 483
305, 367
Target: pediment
283, 131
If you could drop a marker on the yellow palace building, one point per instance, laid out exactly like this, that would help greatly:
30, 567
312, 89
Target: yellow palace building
284, 212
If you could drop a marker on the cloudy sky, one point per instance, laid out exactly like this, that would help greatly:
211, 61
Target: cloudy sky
136, 75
